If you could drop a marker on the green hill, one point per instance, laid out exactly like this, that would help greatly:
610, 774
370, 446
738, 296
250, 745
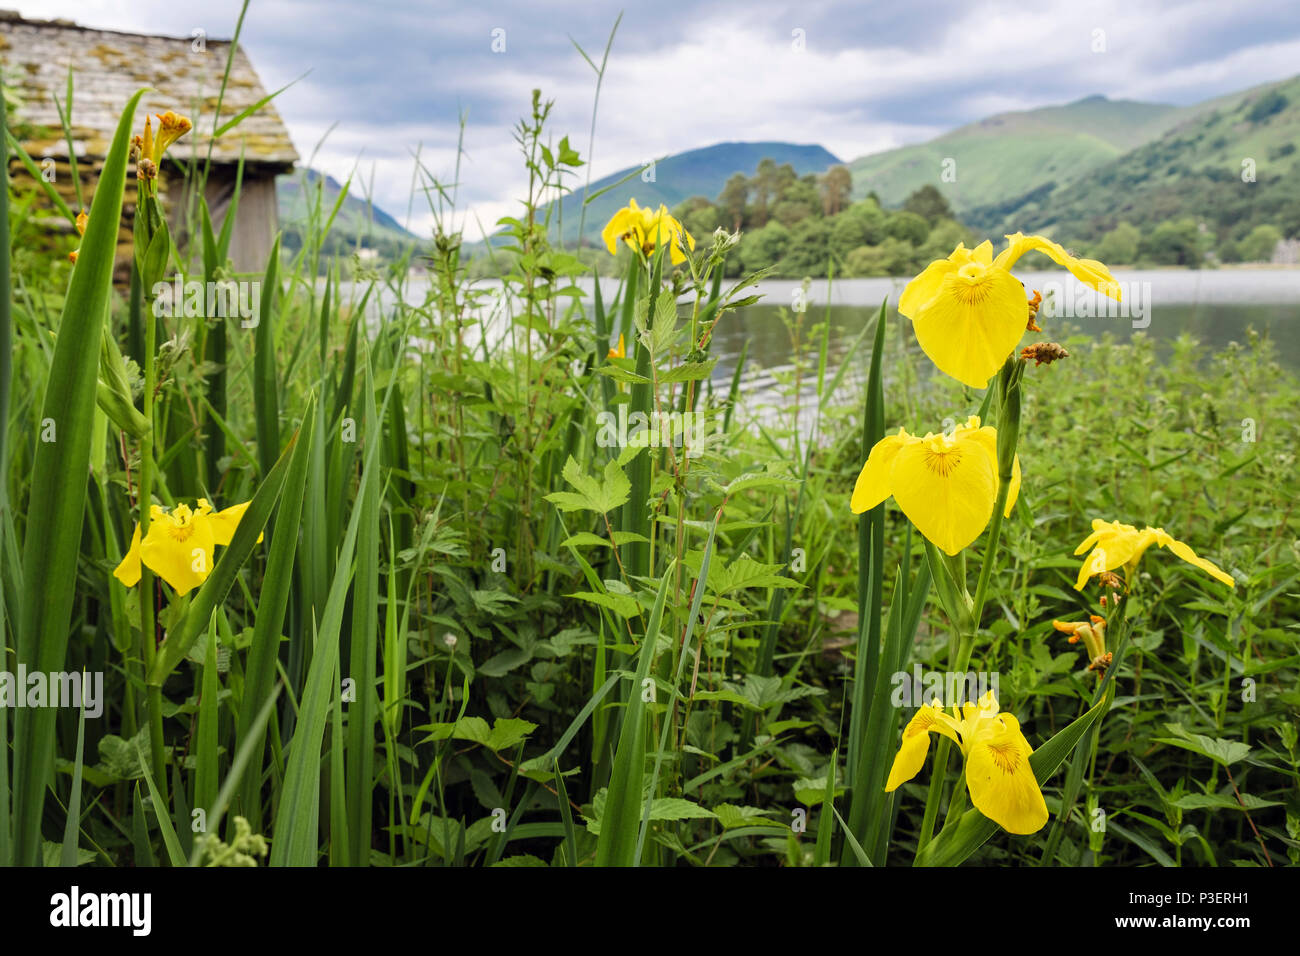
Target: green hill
356, 217
1004, 156
698, 172
1193, 169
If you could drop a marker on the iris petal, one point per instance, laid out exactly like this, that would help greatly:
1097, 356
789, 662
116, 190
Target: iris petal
911, 753
872, 486
1001, 782
1088, 271
946, 488
128, 571
921, 290
1191, 557
224, 523
181, 556
974, 321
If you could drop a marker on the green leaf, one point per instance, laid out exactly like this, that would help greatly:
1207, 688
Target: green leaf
616, 845
1221, 751
1219, 801
601, 496
55, 509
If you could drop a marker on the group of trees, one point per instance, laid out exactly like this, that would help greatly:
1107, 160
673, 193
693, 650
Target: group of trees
1181, 242
797, 225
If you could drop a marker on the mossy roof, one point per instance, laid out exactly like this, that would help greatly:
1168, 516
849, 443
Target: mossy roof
108, 67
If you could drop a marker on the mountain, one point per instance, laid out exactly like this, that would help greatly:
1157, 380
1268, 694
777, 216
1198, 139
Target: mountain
1193, 169
355, 217
1009, 154
697, 172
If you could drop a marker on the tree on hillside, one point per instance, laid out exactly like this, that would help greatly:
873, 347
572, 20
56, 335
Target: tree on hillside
799, 200
733, 199
943, 239
892, 257
907, 226
1259, 244
837, 184
760, 248
928, 203
807, 252
862, 224
765, 190
1120, 245
698, 215
1175, 243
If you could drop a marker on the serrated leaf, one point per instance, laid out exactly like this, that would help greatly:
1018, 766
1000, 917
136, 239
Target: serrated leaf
1221, 751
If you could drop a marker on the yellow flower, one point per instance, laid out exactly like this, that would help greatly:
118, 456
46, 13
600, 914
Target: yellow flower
83, 220
947, 485
171, 127
178, 547
148, 150
1001, 782
1116, 545
1093, 634
643, 228
969, 311
621, 351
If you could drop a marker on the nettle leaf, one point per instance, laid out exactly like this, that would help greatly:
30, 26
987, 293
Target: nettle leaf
745, 572
663, 808
760, 692
624, 605
811, 792
664, 328
599, 495
504, 734
1216, 748
619, 374
688, 372
586, 538
508, 733
754, 480
728, 696
493, 601
1218, 801
505, 661
731, 816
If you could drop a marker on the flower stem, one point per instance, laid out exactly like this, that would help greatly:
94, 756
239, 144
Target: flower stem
149, 645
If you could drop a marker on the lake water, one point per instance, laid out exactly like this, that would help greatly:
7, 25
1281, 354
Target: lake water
1215, 306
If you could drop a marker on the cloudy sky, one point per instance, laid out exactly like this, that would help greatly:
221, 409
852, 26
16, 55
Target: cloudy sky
855, 77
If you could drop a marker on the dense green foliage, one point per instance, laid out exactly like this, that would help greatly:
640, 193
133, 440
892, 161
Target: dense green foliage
485, 627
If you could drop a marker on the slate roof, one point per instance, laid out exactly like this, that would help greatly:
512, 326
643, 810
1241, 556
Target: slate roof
108, 67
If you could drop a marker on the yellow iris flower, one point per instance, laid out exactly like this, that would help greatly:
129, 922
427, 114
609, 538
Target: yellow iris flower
644, 228
969, 312
1116, 545
1001, 782
947, 485
621, 351
178, 547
